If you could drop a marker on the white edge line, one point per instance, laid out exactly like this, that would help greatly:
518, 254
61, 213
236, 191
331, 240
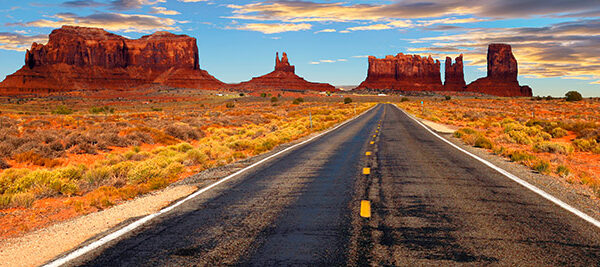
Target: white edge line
520, 181
114, 235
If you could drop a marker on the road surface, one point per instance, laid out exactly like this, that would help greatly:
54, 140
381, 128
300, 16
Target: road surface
430, 205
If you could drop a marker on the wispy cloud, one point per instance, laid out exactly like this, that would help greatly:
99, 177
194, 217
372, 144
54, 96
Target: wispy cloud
132, 4
326, 30
108, 21
83, 3
19, 42
163, 11
270, 28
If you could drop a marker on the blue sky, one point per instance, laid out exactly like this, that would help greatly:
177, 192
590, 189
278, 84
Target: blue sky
556, 42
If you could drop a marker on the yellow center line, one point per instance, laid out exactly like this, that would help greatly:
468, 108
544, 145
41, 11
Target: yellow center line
368, 153
372, 142
365, 209
366, 170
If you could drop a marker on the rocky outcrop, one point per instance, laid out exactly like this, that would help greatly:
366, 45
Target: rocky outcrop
283, 77
454, 77
404, 73
502, 72
79, 58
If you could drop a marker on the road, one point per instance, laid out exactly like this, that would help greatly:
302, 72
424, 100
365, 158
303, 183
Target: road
431, 205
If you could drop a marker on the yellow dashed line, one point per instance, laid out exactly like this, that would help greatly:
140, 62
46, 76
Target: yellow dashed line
368, 153
372, 142
374, 135
365, 209
366, 170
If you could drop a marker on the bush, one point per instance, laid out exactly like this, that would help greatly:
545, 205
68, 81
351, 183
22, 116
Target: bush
62, 110
183, 132
105, 109
586, 145
404, 99
519, 156
347, 100
298, 100
447, 97
551, 147
559, 132
156, 109
263, 95
483, 142
230, 105
464, 131
573, 96
563, 171
542, 166
274, 99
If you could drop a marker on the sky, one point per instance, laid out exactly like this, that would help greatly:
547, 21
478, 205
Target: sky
556, 42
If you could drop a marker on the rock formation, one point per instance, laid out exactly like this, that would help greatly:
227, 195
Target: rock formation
79, 58
404, 73
454, 77
502, 74
283, 77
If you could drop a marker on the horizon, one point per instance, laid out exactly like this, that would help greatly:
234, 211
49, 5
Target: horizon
556, 43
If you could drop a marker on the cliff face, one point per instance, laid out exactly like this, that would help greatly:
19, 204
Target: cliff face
502, 72
283, 77
403, 72
78, 58
454, 77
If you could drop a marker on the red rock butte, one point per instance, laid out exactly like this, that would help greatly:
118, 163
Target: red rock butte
416, 73
80, 58
282, 78
502, 72
404, 73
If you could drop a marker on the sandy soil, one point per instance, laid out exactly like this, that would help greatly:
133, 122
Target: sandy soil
50, 242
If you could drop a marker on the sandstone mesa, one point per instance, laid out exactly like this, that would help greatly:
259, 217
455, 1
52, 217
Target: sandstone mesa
80, 58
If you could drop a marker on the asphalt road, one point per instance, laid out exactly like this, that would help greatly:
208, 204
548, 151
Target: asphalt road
431, 205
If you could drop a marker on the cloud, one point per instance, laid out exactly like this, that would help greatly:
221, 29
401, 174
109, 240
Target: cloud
108, 21
563, 49
19, 42
370, 27
163, 11
307, 11
192, 1
132, 4
274, 28
327, 61
326, 30
83, 3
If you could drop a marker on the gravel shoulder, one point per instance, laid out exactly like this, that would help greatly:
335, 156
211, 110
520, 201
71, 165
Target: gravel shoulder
577, 196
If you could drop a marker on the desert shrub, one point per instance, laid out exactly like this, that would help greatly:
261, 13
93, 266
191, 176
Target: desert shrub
183, 147
230, 105
573, 96
137, 138
3, 164
62, 110
447, 97
6, 149
195, 156
85, 148
183, 132
36, 123
586, 145
464, 131
563, 171
483, 142
347, 100
274, 99
559, 132
520, 156
156, 109
404, 99
552, 147
105, 109
542, 166
22, 200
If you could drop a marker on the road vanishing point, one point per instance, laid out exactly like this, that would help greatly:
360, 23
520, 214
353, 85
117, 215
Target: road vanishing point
378, 190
